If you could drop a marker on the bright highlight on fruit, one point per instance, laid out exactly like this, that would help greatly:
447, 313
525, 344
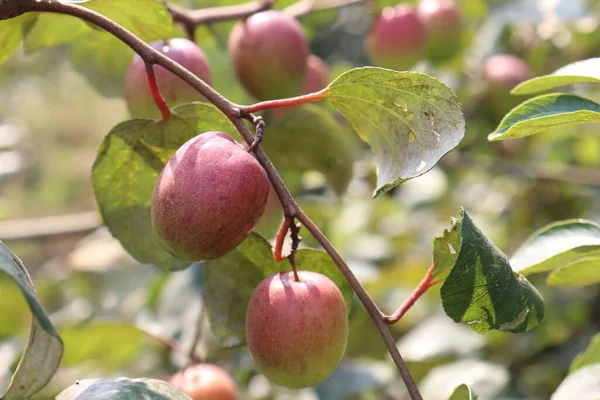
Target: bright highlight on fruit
208, 198
174, 90
297, 331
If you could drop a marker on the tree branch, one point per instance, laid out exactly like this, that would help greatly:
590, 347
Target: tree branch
232, 112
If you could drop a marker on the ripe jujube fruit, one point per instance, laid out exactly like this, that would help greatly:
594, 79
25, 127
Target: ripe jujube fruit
208, 198
268, 52
174, 90
397, 38
297, 331
205, 382
443, 26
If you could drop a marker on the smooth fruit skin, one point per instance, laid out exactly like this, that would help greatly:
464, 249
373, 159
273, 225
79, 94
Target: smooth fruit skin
268, 52
504, 71
205, 382
443, 24
174, 90
208, 198
297, 331
317, 75
397, 38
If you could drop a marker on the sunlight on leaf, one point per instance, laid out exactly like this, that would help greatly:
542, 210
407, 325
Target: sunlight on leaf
585, 71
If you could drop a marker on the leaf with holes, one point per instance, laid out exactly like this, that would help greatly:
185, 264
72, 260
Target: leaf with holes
230, 282
129, 161
585, 71
445, 250
482, 289
544, 112
571, 248
409, 119
44, 348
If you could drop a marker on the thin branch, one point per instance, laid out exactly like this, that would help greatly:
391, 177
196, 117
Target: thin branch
190, 19
304, 7
232, 112
425, 284
44, 227
284, 228
367, 302
280, 103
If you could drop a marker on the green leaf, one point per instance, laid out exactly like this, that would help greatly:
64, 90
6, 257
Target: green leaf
309, 138
230, 282
12, 32
445, 250
102, 59
107, 345
586, 71
581, 384
122, 389
129, 161
51, 30
572, 245
463, 392
483, 290
44, 348
544, 112
590, 356
409, 119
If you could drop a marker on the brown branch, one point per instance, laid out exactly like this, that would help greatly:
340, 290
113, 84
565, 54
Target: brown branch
190, 19
425, 284
304, 7
44, 227
232, 112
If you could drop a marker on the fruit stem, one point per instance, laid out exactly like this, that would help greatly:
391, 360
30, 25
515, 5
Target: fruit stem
165, 111
279, 103
425, 284
192, 358
279, 239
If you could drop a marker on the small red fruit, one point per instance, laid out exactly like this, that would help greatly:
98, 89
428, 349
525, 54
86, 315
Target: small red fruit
297, 331
397, 39
174, 90
269, 51
208, 198
443, 24
317, 75
205, 382
505, 71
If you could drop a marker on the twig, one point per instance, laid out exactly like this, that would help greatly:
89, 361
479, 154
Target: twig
304, 7
232, 112
190, 19
197, 336
279, 239
425, 284
165, 111
44, 227
280, 103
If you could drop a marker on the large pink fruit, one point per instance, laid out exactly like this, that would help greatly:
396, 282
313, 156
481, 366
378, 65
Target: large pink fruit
269, 52
443, 24
397, 38
174, 90
297, 331
205, 382
208, 198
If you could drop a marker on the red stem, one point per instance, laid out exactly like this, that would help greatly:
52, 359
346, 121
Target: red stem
155, 91
281, 234
425, 284
279, 103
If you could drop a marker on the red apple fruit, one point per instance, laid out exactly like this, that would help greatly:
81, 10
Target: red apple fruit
208, 198
297, 330
268, 52
504, 71
173, 89
205, 382
397, 38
